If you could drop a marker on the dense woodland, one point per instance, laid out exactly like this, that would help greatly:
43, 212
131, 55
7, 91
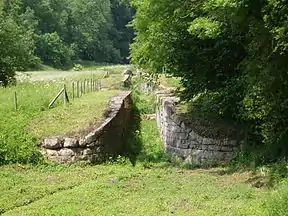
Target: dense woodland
58, 33
232, 54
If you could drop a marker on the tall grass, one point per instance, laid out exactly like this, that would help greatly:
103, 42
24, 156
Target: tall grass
16, 142
20, 130
277, 203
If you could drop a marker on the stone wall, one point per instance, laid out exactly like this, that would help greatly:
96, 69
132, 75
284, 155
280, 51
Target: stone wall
183, 141
99, 144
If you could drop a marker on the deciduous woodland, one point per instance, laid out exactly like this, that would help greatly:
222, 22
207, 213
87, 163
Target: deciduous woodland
231, 54
58, 33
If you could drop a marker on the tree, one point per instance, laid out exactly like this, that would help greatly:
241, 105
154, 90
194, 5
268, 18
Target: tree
16, 48
232, 52
120, 33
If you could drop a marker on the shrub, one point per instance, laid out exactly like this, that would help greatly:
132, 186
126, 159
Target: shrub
78, 67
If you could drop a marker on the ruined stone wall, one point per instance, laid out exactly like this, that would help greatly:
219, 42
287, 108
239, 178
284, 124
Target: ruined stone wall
183, 141
99, 144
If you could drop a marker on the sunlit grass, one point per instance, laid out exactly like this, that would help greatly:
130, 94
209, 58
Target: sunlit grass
159, 187
20, 130
74, 117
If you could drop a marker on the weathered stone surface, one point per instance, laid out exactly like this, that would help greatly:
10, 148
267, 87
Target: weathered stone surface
127, 72
99, 144
66, 152
126, 80
52, 143
207, 141
184, 142
51, 153
70, 143
82, 142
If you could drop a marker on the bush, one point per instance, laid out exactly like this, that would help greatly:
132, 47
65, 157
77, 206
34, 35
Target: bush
53, 51
78, 67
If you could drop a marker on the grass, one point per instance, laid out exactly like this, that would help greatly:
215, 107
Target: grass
21, 130
98, 72
170, 81
73, 118
118, 188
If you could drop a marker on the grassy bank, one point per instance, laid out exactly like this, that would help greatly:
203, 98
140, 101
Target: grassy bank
150, 187
21, 130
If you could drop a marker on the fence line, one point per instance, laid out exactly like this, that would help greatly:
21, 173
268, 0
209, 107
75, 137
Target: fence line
78, 89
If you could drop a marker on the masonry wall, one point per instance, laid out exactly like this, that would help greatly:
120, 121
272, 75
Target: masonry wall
183, 141
99, 144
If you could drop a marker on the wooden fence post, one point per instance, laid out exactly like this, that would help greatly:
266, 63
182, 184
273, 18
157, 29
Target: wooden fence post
99, 81
77, 88
84, 85
88, 86
73, 90
57, 96
15, 101
64, 95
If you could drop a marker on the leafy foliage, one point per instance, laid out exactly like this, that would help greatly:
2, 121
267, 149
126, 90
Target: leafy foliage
233, 52
16, 48
62, 32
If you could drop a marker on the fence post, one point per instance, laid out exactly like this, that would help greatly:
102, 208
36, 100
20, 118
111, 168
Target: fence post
88, 86
64, 95
73, 90
15, 101
77, 88
56, 97
84, 85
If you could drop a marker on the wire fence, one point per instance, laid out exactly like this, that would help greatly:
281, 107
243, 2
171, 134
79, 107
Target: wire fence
75, 89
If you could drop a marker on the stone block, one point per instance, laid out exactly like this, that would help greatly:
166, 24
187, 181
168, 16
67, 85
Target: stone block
51, 153
195, 137
213, 147
52, 143
226, 148
183, 144
183, 125
82, 143
92, 137
181, 136
207, 141
65, 152
93, 144
204, 147
71, 143
88, 151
